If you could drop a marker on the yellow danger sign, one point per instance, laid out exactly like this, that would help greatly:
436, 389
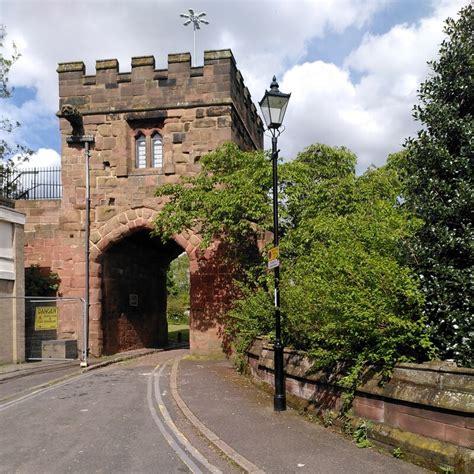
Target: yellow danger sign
46, 318
274, 253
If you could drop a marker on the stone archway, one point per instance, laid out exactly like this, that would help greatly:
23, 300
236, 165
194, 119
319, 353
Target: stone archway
129, 227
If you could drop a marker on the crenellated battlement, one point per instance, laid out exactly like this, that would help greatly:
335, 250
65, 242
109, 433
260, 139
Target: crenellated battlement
210, 57
217, 82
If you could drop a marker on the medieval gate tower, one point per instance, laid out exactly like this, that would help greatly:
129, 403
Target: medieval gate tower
150, 128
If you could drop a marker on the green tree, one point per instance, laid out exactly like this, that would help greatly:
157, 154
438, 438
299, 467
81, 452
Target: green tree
7, 126
226, 199
41, 281
439, 189
177, 279
346, 299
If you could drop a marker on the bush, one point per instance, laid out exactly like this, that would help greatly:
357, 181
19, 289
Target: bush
346, 298
41, 281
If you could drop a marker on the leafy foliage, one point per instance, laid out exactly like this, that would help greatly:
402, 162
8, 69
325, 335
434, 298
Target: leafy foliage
439, 189
360, 435
177, 279
7, 149
345, 297
40, 282
226, 199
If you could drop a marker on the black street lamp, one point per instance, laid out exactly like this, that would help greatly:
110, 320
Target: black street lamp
273, 106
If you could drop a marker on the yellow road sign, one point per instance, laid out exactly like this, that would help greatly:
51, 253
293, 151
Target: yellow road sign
274, 253
46, 318
273, 258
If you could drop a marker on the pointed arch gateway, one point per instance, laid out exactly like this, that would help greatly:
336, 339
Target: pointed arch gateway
128, 284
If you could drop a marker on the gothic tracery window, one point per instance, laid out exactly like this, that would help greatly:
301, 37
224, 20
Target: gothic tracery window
148, 149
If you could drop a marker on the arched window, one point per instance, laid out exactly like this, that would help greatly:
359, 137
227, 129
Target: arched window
140, 143
157, 150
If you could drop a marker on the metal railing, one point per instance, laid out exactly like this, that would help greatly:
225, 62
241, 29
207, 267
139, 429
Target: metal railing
31, 183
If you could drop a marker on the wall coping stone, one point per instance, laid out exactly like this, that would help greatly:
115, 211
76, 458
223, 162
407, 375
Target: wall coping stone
123, 77
437, 366
179, 58
212, 55
436, 384
139, 61
101, 64
71, 67
11, 215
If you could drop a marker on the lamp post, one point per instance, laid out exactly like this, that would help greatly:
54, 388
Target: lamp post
273, 106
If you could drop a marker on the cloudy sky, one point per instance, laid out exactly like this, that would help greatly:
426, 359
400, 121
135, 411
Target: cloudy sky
352, 66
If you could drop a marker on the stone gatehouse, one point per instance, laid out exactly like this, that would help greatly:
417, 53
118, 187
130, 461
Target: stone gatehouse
151, 126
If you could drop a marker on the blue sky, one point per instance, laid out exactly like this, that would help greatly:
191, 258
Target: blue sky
334, 47
353, 66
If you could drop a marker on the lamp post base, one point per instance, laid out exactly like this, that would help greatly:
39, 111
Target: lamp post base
279, 403
279, 399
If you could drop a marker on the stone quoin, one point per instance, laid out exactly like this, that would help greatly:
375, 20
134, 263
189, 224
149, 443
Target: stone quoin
151, 127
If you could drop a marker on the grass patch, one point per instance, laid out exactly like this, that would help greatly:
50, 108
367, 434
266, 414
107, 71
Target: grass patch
174, 329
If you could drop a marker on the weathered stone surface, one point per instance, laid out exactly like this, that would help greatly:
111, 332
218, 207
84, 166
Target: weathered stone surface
178, 137
217, 111
205, 123
194, 110
143, 61
105, 130
107, 64
169, 168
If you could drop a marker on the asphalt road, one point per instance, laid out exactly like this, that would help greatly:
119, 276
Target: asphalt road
18, 382
124, 419
114, 419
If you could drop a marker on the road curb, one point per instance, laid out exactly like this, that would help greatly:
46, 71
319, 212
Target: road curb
218, 443
118, 359
24, 372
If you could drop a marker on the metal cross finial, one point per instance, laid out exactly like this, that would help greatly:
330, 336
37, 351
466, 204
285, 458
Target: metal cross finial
196, 19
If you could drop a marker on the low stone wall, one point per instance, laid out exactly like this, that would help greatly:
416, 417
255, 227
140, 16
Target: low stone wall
425, 410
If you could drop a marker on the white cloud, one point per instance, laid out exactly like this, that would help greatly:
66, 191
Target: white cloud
43, 158
372, 116
262, 34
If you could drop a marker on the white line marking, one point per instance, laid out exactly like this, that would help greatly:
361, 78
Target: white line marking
184, 457
179, 435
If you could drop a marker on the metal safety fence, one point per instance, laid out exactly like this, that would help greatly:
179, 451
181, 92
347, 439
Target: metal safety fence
54, 328
31, 183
